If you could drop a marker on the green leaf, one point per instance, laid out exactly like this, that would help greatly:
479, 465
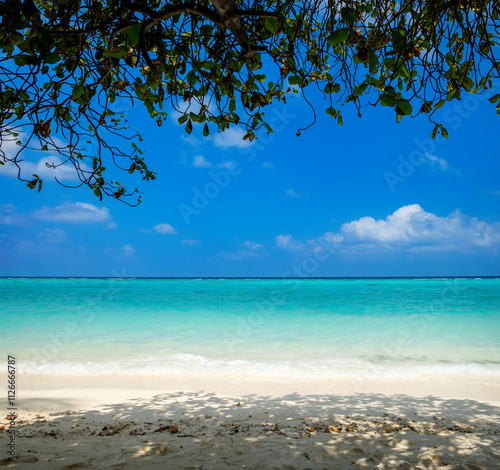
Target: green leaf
205, 130
439, 104
191, 78
387, 100
373, 61
339, 120
338, 36
32, 184
332, 88
24, 95
78, 91
495, 98
294, 80
22, 60
444, 132
402, 71
271, 25
405, 106
189, 127
332, 112
348, 15
232, 105
183, 119
434, 131
53, 59
116, 55
133, 33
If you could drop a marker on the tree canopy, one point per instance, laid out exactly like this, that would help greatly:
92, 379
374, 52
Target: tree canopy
219, 63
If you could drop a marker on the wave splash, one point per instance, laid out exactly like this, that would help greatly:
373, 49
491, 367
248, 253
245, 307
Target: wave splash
180, 364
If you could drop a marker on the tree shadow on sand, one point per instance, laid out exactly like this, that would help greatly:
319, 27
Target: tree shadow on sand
201, 430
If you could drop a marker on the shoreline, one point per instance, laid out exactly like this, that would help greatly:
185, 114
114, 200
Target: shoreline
186, 422
91, 390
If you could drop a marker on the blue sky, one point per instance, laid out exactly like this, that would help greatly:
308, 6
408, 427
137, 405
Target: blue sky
371, 198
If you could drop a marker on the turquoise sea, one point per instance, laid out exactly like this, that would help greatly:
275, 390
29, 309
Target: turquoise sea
312, 328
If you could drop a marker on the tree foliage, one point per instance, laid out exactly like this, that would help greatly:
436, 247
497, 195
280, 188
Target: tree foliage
219, 63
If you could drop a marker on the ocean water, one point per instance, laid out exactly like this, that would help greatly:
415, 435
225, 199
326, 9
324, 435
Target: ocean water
314, 328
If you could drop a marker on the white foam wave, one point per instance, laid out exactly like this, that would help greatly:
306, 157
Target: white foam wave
196, 365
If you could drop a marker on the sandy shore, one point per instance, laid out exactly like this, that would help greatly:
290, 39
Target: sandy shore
223, 423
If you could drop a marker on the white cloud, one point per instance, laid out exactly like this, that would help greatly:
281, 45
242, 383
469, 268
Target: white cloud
165, 229
191, 140
412, 227
291, 193
268, 165
75, 213
199, 161
64, 172
229, 164
128, 250
8, 215
252, 245
232, 137
52, 236
247, 249
395, 229
495, 192
8, 208
330, 238
409, 228
439, 162
287, 243
190, 242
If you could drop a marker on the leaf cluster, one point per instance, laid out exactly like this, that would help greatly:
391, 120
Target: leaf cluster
65, 64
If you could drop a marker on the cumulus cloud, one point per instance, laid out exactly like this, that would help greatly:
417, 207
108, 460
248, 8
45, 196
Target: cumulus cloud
165, 229
412, 226
75, 213
409, 228
199, 161
232, 137
287, 243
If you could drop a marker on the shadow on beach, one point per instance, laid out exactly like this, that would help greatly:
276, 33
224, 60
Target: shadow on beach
201, 430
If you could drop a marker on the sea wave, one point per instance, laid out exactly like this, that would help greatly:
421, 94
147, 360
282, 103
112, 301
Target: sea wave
201, 366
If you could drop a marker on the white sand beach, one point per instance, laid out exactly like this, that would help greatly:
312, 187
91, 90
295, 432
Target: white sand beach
189, 423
